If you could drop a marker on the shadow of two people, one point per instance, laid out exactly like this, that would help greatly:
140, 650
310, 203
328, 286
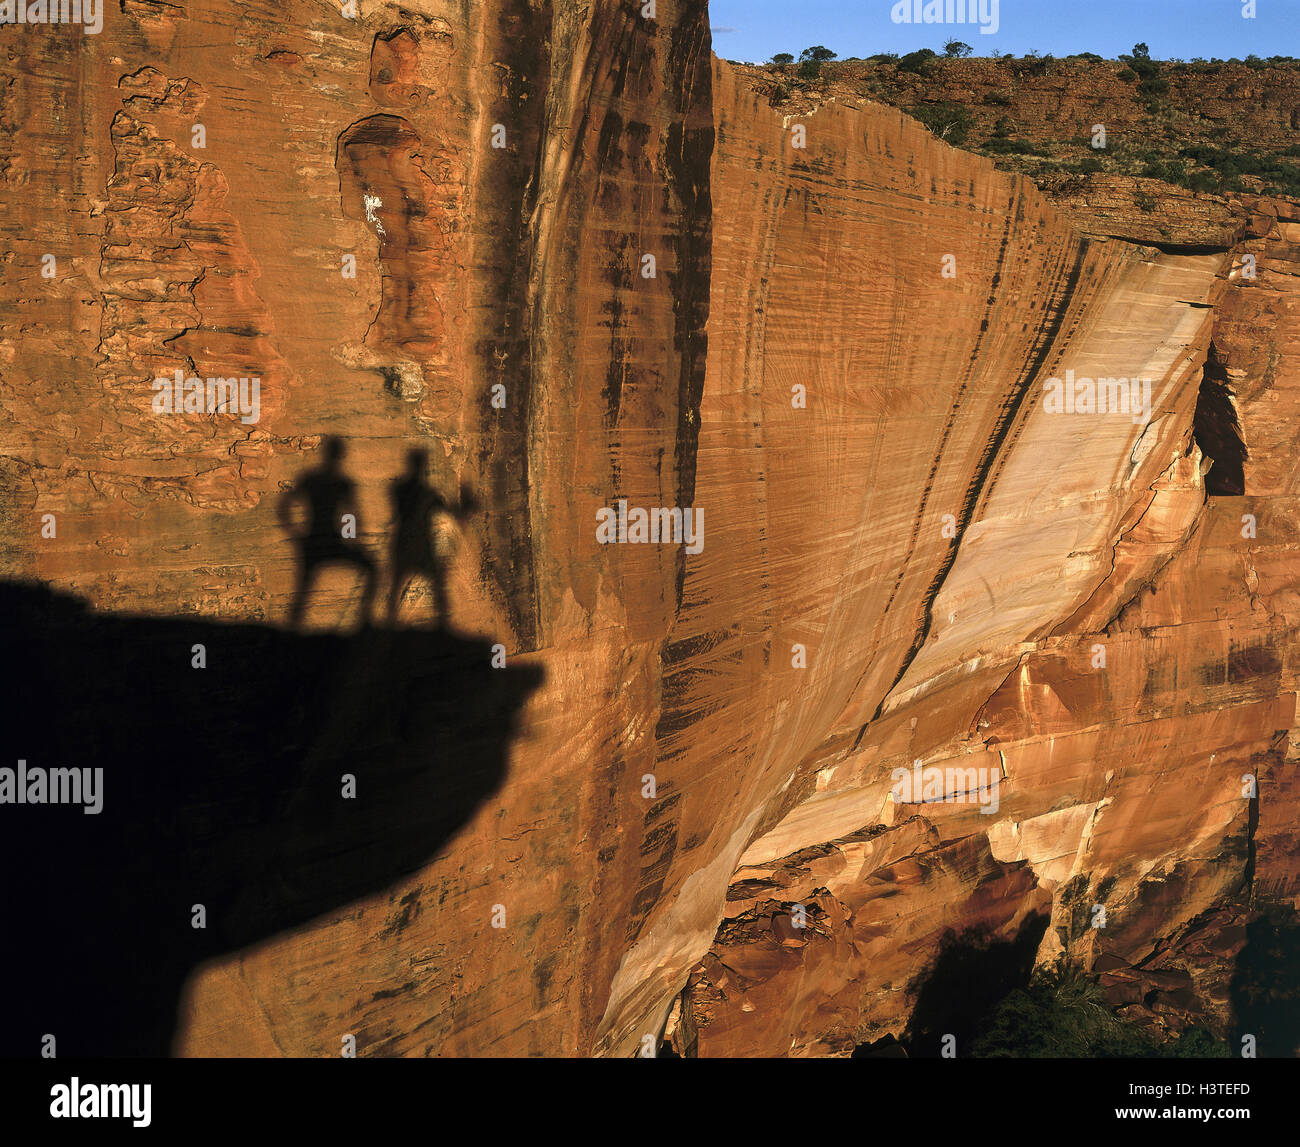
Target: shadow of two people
248, 781
329, 537
251, 780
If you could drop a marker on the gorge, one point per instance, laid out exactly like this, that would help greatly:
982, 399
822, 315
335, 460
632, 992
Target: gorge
691, 747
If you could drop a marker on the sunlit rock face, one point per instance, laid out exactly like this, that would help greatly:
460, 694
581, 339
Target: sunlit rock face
1099, 634
577, 259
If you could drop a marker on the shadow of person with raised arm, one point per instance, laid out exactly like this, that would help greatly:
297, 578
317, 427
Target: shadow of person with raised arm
419, 547
330, 499
322, 771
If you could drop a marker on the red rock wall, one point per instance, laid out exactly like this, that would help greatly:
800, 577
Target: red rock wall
1122, 785
478, 266
825, 513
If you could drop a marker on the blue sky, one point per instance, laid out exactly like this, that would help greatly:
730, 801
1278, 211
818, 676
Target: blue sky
755, 29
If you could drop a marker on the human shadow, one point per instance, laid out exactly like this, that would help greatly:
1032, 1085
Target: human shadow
225, 786
329, 497
418, 549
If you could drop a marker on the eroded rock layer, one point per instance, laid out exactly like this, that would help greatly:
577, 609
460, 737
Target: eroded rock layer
578, 260
1101, 639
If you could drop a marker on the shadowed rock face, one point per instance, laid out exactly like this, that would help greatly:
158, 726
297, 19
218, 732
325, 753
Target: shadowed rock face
1217, 431
907, 555
284, 777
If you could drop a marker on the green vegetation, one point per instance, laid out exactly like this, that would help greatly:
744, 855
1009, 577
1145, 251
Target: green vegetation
811, 61
1226, 168
1011, 147
949, 122
1141, 67
916, 62
1003, 142
1064, 1014
1173, 143
1032, 64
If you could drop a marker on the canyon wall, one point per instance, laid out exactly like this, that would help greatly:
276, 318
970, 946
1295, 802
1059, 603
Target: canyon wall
1023, 639
428, 226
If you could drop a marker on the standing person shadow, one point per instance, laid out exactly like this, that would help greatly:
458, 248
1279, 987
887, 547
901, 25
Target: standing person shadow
330, 499
415, 551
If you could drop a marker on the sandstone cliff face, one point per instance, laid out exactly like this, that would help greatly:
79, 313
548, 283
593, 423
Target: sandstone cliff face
983, 651
840, 358
477, 267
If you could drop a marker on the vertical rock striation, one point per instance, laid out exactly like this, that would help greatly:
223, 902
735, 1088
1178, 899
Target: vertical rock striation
576, 258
